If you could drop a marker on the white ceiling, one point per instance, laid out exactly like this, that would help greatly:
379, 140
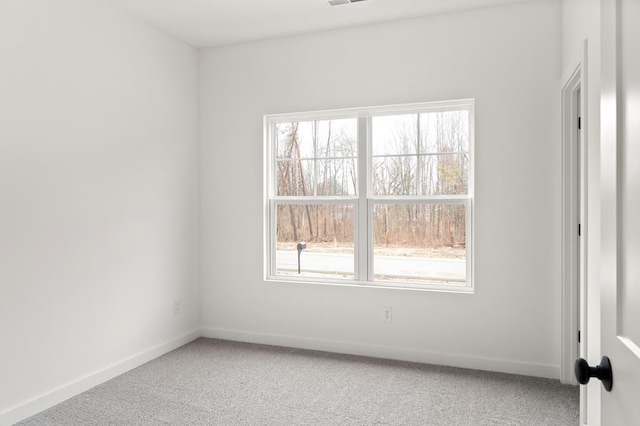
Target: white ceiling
205, 23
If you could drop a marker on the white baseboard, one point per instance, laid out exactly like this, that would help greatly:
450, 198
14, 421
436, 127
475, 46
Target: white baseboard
388, 352
71, 389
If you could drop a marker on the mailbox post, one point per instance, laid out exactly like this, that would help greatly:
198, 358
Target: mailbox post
301, 246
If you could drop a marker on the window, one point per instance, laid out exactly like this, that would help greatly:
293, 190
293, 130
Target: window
374, 196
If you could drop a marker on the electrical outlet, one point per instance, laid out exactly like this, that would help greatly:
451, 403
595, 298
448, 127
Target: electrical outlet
386, 313
177, 307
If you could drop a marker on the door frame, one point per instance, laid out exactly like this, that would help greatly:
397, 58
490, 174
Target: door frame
574, 160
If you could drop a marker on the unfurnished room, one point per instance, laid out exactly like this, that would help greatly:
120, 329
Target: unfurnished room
319, 212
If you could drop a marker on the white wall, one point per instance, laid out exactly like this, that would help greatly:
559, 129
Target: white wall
580, 23
98, 197
508, 59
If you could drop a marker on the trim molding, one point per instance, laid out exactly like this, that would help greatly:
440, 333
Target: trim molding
571, 246
574, 201
62, 393
387, 352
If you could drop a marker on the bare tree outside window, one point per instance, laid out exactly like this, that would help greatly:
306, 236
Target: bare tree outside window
417, 199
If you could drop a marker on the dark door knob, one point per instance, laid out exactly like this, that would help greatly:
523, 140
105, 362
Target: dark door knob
602, 372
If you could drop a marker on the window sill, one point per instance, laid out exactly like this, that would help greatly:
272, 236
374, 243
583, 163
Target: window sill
459, 289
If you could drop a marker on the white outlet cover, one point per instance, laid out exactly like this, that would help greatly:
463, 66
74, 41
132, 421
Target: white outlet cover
387, 313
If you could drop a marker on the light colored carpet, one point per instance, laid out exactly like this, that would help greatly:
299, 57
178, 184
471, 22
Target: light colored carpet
216, 382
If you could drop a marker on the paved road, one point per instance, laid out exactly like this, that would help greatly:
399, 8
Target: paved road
394, 266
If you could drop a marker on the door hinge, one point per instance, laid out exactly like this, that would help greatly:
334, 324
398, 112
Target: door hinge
579, 340
579, 123
579, 230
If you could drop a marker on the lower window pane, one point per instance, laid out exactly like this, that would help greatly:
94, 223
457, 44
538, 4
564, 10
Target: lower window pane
324, 234
420, 243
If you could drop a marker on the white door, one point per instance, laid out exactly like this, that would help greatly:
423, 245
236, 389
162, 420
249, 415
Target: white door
620, 296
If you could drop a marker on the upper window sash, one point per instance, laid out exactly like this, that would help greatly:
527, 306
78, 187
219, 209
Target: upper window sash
314, 157
421, 153
425, 158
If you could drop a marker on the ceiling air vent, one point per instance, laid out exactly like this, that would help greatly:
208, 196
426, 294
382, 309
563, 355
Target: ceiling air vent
339, 2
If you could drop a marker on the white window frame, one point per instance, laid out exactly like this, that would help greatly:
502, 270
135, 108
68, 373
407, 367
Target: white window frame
364, 201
